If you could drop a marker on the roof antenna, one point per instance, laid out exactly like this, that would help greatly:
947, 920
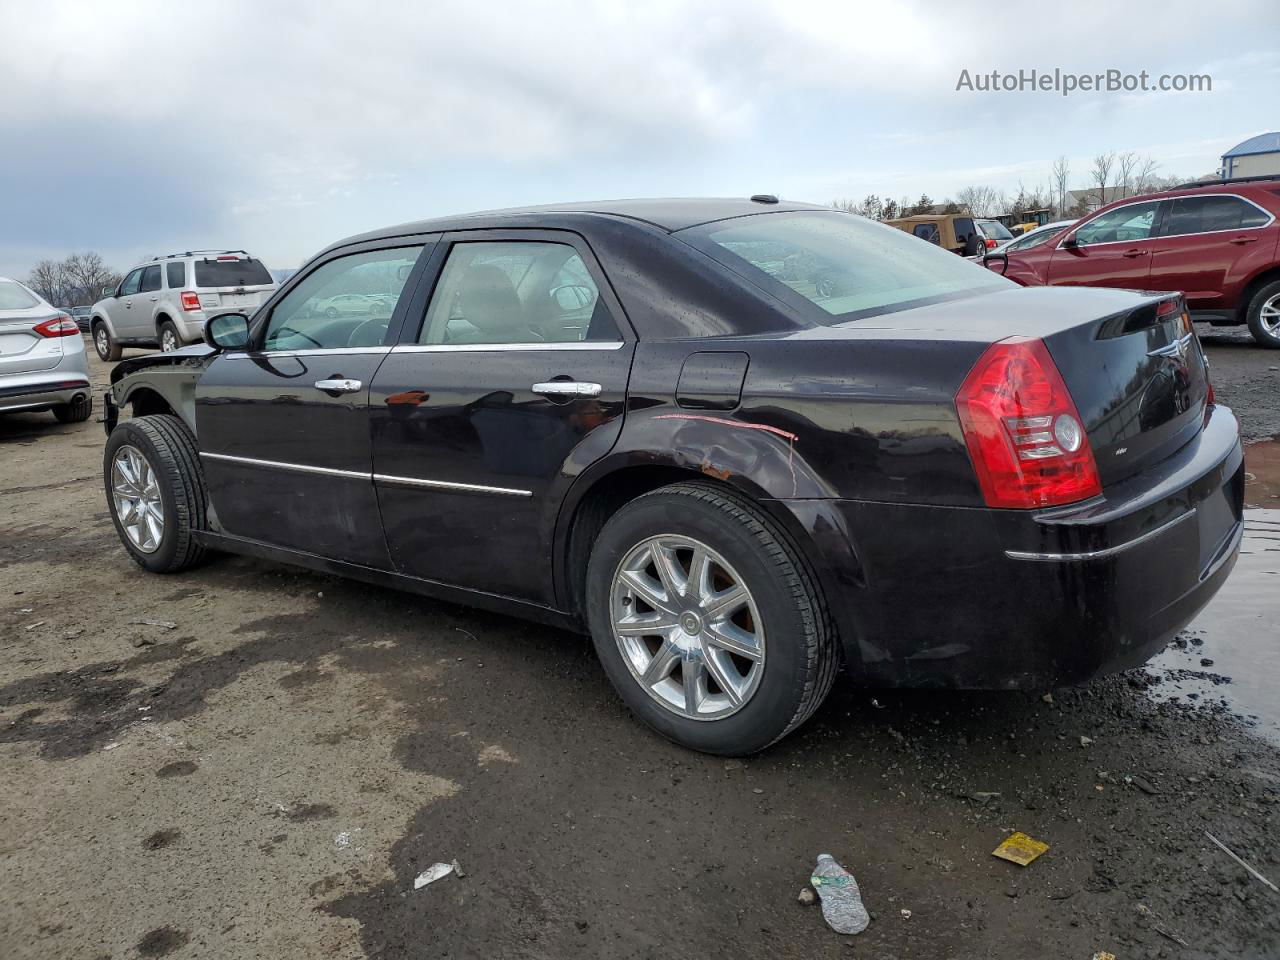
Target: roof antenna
763, 198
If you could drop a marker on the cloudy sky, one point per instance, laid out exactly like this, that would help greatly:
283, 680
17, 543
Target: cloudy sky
136, 128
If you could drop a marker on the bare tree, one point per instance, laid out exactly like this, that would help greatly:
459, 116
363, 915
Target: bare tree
1144, 176
1101, 173
1060, 176
49, 279
981, 201
87, 273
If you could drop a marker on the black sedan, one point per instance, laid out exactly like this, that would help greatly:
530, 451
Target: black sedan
738, 441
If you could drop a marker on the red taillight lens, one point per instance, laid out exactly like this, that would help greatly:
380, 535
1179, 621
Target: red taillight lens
190, 301
1023, 431
991, 244
62, 326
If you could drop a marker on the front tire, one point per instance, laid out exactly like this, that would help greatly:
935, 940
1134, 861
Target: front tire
1264, 315
708, 621
155, 492
105, 344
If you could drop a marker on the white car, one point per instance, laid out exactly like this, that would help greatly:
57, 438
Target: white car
1033, 238
165, 301
42, 360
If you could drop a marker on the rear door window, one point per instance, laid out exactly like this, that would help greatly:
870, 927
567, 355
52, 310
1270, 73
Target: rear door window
238, 272
1208, 214
150, 279
176, 274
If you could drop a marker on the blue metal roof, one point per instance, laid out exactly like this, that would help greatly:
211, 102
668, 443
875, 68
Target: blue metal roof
1262, 143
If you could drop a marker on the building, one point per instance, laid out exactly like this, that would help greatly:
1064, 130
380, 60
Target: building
1257, 157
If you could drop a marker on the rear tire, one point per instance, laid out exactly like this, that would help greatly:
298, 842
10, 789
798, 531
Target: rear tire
169, 488
783, 617
169, 339
77, 411
105, 344
1264, 315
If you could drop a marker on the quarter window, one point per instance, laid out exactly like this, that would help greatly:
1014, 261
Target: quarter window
927, 231
1124, 224
176, 274
1207, 214
341, 304
130, 284
516, 292
150, 279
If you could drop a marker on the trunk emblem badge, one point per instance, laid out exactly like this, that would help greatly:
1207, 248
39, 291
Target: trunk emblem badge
1178, 348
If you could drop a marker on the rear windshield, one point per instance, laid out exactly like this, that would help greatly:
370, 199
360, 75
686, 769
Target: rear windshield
995, 230
848, 266
231, 273
15, 297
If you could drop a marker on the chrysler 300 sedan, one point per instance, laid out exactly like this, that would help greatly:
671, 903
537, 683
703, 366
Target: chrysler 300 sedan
739, 442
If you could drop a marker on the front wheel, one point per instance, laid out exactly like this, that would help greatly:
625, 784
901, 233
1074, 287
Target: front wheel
707, 620
155, 491
1264, 315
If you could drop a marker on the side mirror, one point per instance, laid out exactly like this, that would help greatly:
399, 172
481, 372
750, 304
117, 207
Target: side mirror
108, 291
1070, 243
988, 257
227, 331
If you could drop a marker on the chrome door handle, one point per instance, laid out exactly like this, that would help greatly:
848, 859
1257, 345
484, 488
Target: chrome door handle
338, 386
567, 388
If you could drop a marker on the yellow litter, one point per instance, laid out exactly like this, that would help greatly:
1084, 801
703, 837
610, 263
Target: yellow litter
1103, 955
1020, 849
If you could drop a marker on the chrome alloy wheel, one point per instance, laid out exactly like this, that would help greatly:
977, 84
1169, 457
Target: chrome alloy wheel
168, 341
135, 492
102, 342
687, 627
1269, 316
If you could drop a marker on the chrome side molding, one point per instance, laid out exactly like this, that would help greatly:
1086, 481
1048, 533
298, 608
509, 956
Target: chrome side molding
1105, 552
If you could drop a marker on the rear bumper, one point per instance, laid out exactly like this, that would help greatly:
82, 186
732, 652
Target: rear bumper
41, 396
979, 598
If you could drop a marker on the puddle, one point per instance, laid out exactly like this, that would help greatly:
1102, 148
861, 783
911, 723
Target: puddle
1262, 473
1238, 631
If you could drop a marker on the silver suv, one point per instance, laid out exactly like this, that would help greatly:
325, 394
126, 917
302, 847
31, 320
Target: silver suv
166, 300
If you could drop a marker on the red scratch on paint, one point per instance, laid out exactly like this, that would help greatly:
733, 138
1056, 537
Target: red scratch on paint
728, 423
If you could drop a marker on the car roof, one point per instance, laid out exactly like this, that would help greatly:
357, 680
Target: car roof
669, 214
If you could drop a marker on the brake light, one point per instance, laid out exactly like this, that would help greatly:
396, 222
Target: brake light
190, 301
61, 326
991, 244
1023, 431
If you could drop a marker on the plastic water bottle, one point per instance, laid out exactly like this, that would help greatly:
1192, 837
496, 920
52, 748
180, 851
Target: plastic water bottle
841, 900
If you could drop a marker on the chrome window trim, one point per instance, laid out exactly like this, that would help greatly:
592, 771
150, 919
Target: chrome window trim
1105, 552
1271, 217
291, 467
497, 347
450, 486
1192, 196
310, 352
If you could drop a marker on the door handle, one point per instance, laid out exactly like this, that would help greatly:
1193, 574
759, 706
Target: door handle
567, 388
1244, 240
1134, 253
338, 385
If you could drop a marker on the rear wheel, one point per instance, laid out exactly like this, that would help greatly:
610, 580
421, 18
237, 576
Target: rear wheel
707, 620
1264, 315
77, 411
169, 339
155, 491
105, 344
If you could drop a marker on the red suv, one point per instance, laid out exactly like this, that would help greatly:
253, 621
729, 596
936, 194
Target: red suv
1217, 243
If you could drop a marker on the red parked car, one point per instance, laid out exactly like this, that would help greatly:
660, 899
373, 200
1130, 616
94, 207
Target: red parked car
1217, 243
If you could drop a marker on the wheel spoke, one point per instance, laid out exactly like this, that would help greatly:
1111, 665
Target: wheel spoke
720, 605
662, 663
657, 624
693, 671
729, 637
698, 583
130, 512
673, 579
646, 590
724, 678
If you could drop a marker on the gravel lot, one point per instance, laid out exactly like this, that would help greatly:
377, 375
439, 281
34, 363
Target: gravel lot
267, 778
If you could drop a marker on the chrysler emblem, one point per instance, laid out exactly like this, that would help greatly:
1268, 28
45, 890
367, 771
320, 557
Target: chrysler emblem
1178, 348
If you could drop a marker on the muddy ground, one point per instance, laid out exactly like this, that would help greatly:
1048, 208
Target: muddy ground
267, 778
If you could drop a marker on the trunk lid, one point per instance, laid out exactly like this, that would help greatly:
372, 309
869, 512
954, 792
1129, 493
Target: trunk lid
229, 282
22, 350
1134, 368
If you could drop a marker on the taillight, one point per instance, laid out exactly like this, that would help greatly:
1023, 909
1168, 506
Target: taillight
62, 326
1023, 431
991, 244
190, 301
